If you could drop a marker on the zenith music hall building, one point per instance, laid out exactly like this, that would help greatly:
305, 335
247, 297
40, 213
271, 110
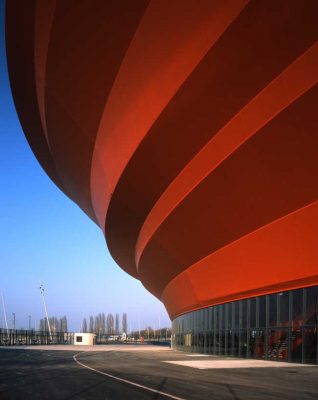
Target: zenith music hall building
187, 130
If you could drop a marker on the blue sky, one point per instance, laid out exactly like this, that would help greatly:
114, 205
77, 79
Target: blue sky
45, 237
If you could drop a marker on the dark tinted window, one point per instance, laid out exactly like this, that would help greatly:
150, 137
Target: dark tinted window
297, 308
230, 317
262, 311
273, 310
311, 306
222, 316
253, 313
283, 308
216, 317
243, 314
211, 319
236, 312
226, 315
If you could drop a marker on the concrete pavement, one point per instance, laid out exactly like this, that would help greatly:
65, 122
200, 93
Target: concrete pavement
128, 372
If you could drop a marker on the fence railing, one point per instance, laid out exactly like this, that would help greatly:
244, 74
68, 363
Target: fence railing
22, 337
107, 339
13, 337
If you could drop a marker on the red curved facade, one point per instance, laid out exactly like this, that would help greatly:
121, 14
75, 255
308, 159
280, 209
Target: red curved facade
187, 130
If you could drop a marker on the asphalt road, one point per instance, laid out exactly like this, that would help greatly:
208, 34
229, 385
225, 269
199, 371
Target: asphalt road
56, 375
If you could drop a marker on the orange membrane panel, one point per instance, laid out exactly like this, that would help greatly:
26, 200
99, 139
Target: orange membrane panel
186, 131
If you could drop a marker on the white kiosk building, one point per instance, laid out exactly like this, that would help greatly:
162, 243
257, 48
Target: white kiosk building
84, 339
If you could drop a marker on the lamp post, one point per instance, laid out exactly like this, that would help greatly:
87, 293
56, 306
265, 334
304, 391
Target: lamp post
13, 314
47, 318
29, 322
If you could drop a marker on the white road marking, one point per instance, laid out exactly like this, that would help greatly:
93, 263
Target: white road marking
126, 381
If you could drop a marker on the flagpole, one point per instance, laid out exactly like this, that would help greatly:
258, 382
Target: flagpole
47, 318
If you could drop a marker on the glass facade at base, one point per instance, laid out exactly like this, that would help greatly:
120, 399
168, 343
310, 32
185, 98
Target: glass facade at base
278, 327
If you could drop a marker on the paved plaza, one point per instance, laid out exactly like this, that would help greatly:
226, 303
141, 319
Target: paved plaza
127, 372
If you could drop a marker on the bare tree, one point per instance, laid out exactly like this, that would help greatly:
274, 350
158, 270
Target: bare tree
97, 325
43, 325
110, 324
117, 324
56, 324
124, 323
63, 324
84, 327
103, 323
91, 324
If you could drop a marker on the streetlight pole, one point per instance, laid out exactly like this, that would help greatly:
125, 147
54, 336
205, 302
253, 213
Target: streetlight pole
47, 318
29, 322
13, 321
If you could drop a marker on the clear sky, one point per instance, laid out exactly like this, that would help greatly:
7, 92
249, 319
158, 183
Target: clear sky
45, 237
